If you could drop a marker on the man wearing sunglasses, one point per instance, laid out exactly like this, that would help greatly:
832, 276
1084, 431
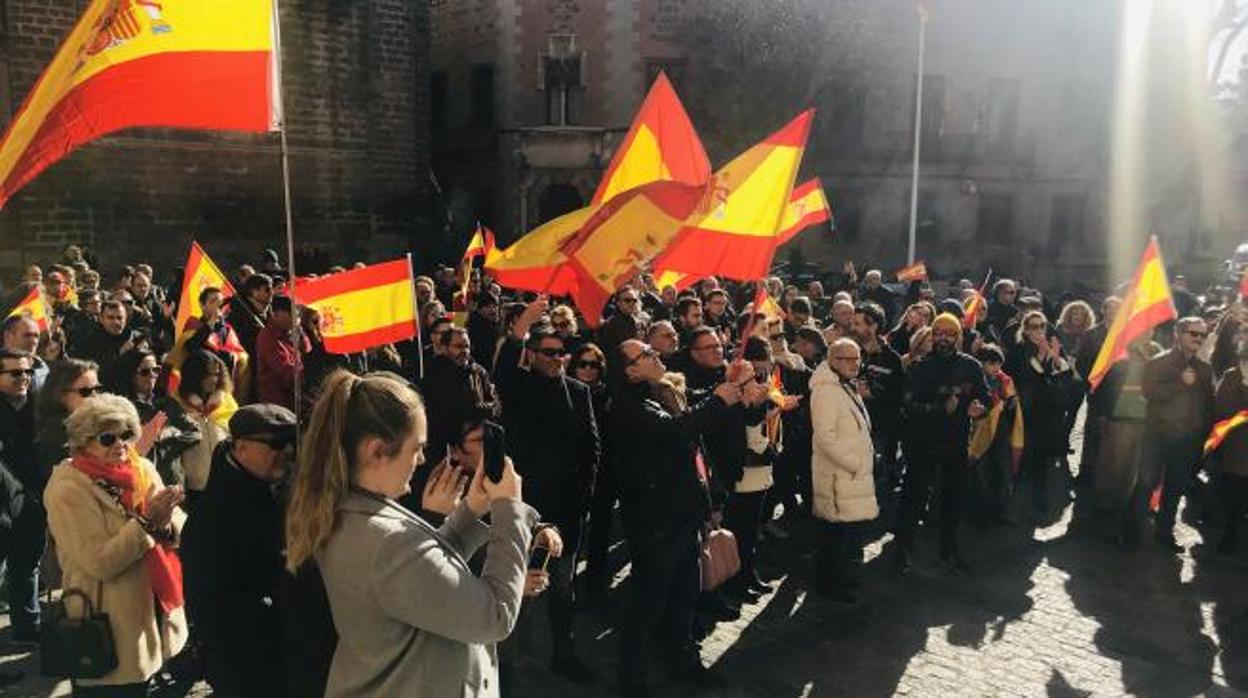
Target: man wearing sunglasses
19, 463
553, 439
232, 554
22, 334
1178, 385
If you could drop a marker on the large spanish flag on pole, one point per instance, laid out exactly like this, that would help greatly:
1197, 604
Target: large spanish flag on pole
363, 308
34, 307
1148, 303
201, 273
167, 63
660, 146
736, 229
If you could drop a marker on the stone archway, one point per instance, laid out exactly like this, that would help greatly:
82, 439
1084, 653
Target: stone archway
557, 199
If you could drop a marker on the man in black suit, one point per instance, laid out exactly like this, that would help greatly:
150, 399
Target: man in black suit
553, 440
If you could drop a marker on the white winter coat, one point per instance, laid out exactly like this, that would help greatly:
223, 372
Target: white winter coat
843, 458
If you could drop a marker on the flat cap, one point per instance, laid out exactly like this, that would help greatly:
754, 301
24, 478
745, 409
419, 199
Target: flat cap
265, 422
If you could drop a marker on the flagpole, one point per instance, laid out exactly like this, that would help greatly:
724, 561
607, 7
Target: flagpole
420, 349
918, 135
279, 86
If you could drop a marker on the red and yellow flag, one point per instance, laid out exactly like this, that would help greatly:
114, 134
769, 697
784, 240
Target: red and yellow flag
201, 273
1148, 303
623, 238
480, 246
913, 272
660, 146
735, 231
363, 308
807, 206
971, 312
1223, 428
127, 63
34, 307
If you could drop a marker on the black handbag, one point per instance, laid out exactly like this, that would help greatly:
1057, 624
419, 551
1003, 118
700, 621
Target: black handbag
76, 648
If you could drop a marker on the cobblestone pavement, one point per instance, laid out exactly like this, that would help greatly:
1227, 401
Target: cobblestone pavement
1053, 611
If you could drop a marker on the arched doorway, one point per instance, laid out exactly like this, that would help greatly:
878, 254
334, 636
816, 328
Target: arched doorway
558, 199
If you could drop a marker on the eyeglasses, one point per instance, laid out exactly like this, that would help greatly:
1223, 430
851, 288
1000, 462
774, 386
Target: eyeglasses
552, 353
646, 353
596, 365
107, 439
1201, 335
627, 301
776, 337
1032, 326
19, 372
274, 444
148, 371
87, 391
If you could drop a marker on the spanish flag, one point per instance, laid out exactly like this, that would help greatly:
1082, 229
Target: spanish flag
363, 308
808, 206
480, 246
201, 273
127, 63
1223, 428
971, 312
660, 146
34, 307
623, 238
738, 224
913, 272
1148, 303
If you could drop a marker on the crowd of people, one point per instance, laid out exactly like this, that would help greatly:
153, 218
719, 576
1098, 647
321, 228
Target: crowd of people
280, 520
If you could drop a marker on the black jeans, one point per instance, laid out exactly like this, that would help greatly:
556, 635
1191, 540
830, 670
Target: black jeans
601, 518
26, 543
666, 581
923, 465
839, 554
743, 514
560, 596
1176, 458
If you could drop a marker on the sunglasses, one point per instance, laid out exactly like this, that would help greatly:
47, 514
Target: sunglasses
596, 365
627, 301
776, 337
148, 371
108, 439
87, 391
1035, 327
19, 372
552, 353
647, 353
274, 444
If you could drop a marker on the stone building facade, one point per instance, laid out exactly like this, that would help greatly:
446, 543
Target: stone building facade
529, 100
355, 76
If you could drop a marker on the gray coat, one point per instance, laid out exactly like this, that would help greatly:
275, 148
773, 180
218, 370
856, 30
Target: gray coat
412, 618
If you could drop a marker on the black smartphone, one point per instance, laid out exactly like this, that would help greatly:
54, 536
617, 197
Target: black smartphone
492, 445
539, 558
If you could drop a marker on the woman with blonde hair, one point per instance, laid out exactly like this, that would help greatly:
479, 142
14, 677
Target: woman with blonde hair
411, 616
920, 346
116, 526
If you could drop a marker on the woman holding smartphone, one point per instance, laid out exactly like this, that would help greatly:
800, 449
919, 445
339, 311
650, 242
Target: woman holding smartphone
411, 616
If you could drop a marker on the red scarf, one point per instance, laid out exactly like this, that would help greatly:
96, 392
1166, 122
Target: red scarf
164, 569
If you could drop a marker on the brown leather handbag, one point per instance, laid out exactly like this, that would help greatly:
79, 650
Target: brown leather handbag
721, 560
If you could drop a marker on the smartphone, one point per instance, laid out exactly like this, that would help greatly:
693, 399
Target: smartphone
492, 445
539, 558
